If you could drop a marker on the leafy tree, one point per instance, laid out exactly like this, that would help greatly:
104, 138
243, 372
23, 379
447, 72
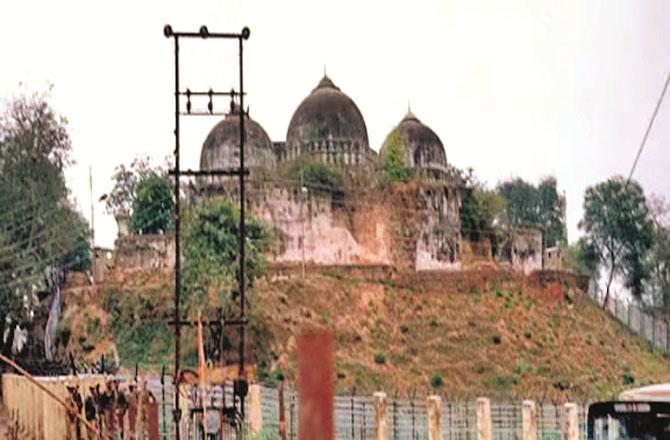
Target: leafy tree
482, 211
152, 205
119, 201
394, 160
658, 282
618, 229
79, 256
211, 249
540, 206
41, 235
582, 258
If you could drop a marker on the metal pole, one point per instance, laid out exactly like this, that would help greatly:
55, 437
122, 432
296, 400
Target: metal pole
303, 219
177, 260
163, 399
243, 234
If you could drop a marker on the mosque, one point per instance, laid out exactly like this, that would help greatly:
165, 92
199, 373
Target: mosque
327, 126
415, 228
407, 227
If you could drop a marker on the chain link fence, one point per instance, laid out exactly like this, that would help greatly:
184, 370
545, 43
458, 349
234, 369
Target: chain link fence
655, 331
355, 418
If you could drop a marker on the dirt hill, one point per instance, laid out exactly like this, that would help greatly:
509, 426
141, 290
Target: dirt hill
464, 334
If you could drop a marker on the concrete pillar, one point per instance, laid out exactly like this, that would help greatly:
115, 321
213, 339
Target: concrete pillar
434, 410
382, 432
484, 430
570, 422
529, 420
255, 412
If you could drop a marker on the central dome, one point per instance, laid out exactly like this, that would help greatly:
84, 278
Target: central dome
329, 126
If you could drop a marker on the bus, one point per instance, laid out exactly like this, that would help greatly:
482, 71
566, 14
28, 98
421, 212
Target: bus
639, 414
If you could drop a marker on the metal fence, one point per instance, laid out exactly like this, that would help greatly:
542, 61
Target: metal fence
655, 331
406, 418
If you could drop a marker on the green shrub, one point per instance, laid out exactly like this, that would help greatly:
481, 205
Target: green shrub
497, 339
627, 377
394, 159
380, 359
522, 368
436, 380
318, 175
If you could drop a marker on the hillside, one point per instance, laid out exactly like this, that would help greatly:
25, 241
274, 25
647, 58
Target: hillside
466, 334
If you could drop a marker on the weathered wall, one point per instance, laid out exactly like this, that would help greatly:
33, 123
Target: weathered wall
410, 227
523, 250
320, 228
553, 258
144, 252
438, 246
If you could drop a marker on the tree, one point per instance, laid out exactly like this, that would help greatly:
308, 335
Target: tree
582, 258
618, 229
394, 160
152, 205
41, 235
119, 201
540, 206
658, 282
482, 211
211, 264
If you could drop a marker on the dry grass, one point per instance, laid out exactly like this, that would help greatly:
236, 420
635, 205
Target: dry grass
482, 333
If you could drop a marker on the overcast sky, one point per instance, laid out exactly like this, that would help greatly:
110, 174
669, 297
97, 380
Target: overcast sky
513, 88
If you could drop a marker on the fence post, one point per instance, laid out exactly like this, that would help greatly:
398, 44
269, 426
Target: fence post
529, 420
571, 422
483, 419
381, 431
255, 412
282, 412
434, 410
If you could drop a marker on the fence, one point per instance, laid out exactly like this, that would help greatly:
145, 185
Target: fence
357, 417
655, 331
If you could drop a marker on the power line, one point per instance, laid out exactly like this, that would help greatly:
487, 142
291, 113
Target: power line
651, 123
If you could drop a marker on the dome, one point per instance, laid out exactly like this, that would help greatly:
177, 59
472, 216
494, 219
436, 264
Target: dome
328, 122
221, 149
422, 147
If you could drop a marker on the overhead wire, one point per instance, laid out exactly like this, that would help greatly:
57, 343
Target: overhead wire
649, 126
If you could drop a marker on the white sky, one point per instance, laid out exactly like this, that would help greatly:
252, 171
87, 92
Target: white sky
527, 88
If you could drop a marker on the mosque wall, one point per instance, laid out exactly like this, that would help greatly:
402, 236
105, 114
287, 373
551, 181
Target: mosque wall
523, 250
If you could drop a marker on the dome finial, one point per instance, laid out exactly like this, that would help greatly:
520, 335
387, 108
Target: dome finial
325, 82
409, 114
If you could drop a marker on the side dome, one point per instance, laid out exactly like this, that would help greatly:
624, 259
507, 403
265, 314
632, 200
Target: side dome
329, 126
420, 145
221, 148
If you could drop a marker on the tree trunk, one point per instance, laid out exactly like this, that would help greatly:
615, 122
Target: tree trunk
609, 283
7, 346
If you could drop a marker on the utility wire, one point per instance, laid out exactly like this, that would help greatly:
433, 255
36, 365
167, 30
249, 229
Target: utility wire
651, 123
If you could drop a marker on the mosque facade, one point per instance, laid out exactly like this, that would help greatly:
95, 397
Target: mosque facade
415, 226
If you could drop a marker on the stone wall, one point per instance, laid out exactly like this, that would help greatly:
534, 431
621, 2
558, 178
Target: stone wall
438, 246
523, 250
319, 228
144, 252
